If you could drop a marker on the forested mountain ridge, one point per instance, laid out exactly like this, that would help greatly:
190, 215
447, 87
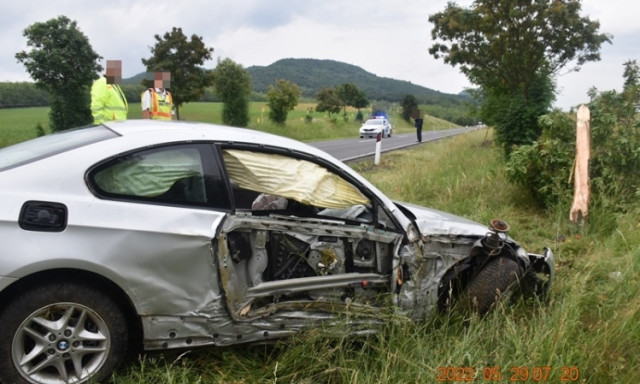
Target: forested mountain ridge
311, 75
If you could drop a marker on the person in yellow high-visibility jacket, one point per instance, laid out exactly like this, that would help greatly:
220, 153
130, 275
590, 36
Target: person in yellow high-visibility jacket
108, 102
157, 102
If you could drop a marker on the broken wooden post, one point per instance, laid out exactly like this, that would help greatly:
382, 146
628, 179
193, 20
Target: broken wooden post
580, 207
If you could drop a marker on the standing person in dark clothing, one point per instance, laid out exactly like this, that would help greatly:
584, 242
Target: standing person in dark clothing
418, 125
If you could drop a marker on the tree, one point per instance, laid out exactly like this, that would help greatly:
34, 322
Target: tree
513, 51
233, 86
631, 90
409, 107
281, 99
183, 58
62, 62
351, 95
328, 101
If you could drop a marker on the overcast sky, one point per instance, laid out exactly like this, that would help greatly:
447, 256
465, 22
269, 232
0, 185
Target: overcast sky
389, 38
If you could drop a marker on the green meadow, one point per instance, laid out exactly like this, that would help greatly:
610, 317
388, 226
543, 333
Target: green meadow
20, 124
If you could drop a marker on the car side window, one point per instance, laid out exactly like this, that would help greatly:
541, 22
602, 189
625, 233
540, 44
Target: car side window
167, 175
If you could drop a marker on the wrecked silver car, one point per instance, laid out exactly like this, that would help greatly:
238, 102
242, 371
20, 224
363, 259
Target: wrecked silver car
182, 234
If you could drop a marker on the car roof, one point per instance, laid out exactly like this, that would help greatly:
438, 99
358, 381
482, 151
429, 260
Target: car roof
155, 131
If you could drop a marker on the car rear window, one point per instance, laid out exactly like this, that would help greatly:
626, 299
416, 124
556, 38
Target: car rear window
49, 145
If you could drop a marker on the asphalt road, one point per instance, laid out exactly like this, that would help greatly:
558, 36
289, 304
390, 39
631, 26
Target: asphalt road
352, 149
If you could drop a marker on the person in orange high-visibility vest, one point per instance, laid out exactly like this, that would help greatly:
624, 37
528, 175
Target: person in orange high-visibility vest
108, 102
157, 102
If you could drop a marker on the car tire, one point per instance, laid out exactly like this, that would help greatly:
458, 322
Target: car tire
61, 332
494, 283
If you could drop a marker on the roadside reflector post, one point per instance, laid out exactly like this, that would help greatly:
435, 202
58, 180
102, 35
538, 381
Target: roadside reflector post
376, 160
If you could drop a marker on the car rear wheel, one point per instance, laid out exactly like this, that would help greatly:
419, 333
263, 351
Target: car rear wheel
61, 333
494, 283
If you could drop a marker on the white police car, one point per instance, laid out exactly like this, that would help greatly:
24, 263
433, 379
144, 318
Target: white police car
374, 126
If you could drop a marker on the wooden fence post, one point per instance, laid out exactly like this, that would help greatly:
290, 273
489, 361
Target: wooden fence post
580, 207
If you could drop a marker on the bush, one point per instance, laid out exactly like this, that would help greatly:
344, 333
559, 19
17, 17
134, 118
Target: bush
40, 130
545, 167
235, 111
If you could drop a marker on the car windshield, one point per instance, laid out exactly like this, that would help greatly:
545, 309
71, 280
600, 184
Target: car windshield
49, 145
374, 122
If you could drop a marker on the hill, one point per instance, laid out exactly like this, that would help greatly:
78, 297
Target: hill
313, 74
137, 79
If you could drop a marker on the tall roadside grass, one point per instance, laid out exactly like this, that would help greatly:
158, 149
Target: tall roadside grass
588, 331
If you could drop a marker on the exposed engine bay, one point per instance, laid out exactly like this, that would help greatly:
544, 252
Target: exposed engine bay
282, 261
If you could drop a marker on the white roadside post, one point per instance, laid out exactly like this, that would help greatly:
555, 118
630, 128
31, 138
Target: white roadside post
376, 160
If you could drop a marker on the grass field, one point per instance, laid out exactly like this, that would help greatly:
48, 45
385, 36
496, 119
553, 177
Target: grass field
19, 124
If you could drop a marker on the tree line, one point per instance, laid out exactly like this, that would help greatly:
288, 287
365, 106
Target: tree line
27, 94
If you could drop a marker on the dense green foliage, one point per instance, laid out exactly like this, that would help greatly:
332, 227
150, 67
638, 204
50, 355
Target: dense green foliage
513, 51
351, 96
26, 94
515, 113
545, 167
281, 99
62, 62
409, 107
328, 101
460, 115
233, 86
183, 58
23, 94
132, 92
